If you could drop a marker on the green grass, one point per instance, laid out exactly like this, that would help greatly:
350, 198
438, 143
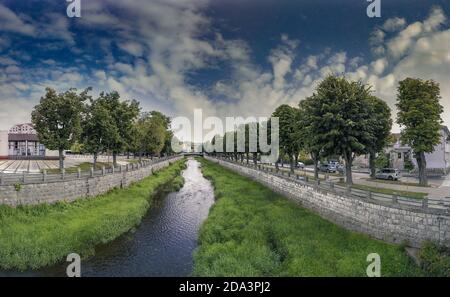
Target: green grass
415, 195
37, 236
252, 231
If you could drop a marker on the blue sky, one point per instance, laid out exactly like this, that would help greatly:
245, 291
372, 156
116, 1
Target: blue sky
228, 57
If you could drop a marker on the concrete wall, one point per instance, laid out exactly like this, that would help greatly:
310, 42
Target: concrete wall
385, 221
71, 190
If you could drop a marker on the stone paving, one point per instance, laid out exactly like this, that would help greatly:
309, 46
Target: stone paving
35, 166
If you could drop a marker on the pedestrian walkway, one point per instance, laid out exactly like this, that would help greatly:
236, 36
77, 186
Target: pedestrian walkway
36, 166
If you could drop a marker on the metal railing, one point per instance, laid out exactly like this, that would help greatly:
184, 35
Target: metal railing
46, 177
442, 204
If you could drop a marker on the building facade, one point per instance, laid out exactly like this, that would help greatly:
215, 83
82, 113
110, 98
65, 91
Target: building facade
22, 142
438, 162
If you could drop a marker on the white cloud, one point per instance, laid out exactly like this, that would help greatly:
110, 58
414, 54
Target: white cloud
11, 22
394, 24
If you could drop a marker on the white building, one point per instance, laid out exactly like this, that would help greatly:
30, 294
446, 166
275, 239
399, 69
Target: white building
438, 162
22, 142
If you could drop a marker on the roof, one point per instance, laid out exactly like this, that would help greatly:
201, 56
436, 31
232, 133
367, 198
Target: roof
22, 137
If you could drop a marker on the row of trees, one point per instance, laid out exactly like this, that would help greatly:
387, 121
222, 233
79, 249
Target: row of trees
99, 125
343, 118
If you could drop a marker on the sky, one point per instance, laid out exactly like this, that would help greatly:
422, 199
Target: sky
227, 57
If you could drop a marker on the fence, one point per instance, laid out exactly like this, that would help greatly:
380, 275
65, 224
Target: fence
45, 176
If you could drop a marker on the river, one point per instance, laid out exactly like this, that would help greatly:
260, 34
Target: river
163, 243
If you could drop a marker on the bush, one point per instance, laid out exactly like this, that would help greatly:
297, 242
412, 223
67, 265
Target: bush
435, 259
409, 166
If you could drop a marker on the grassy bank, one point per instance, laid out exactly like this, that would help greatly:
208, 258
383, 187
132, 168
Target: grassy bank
36, 236
252, 231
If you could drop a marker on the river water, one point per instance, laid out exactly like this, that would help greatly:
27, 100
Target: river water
163, 243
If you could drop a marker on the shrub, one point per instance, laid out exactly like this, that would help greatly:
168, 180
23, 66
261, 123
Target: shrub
435, 259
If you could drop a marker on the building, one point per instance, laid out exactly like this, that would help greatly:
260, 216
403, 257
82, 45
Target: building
438, 162
22, 142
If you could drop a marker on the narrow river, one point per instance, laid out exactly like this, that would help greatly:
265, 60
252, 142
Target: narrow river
163, 243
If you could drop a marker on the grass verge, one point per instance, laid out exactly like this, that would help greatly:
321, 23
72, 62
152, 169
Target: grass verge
396, 182
415, 195
42, 235
252, 231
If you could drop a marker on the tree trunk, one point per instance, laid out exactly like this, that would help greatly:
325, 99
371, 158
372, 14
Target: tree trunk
114, 159
247, 155
255, 158
61, 159
291, 161
422, 163
276, 164
348, 169
140, 156
315, 158
296, 159
95, 160
372, 164
128, 155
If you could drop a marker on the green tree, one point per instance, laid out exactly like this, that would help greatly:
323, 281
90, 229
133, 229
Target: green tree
339, 116
123, 113
165, 120
308, 125
149, 135
100, 131
57, 119
380, 125
287, 116
419, 114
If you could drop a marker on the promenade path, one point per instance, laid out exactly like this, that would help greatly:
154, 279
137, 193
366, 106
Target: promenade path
36, 166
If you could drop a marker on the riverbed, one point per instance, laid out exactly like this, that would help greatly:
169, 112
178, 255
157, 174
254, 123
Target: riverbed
162, 245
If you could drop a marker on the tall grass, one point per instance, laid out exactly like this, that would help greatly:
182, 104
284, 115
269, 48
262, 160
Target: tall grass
252, 231
37, 236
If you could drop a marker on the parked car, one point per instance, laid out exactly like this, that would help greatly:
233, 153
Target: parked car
327, 168
388, 173
300, 165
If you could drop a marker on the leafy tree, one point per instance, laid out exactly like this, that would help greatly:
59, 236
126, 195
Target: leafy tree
57, 119
288, 142
100, 130
339, 116
149, 135
419, 113
380, 124
167, 148
308, 121
123, 113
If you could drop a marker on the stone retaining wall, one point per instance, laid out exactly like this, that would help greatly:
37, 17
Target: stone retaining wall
385, 221
71, 190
